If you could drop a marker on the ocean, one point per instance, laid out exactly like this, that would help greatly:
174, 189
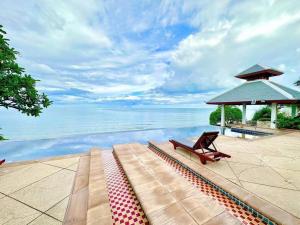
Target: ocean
73, 129
65, 120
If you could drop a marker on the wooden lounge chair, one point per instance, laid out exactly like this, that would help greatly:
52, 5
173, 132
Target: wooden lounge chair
202, 147
2, 161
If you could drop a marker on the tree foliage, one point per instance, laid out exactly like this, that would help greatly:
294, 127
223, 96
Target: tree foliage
17, 88
232, 114
1, 137
262, 114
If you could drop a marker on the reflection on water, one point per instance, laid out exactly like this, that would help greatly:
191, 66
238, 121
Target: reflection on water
222, 130
35, 149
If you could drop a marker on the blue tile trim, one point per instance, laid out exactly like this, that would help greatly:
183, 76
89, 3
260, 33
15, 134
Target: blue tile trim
254, 212
252, 132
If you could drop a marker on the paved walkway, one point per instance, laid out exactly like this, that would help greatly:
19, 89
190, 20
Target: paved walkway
269, 167
36, 193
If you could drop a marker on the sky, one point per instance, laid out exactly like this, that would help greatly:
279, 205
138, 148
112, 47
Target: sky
149, 52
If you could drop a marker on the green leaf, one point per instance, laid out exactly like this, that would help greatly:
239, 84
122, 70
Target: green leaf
232, 114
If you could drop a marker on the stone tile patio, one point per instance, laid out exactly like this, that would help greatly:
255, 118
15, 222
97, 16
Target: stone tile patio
45, 220
36, 193
58, 210
269, 167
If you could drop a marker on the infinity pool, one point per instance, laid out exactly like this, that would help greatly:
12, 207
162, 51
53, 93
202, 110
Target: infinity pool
36, 149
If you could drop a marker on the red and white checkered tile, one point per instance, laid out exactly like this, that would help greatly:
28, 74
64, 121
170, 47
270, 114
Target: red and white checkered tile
243, 215
125, 207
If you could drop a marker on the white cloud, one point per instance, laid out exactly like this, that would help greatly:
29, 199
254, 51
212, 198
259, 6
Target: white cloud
282, 67
42, 68
206, 13
190, 50
210, 58
266, 28
108, 89
118, 98
171, 52
72, 99
48, 88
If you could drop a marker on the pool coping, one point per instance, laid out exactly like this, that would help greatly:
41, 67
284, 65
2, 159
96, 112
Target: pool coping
88, 203
278, 132
281, 133
76, 212
237, 193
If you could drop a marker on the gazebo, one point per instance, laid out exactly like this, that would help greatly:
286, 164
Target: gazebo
257, 90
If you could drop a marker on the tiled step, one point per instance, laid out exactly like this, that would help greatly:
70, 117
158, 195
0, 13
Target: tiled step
125, 207
246, 201
166, 197
88, 204
78, 203
99, 212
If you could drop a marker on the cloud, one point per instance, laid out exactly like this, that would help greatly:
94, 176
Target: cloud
142, 52
191, 49
267, 28
209, 58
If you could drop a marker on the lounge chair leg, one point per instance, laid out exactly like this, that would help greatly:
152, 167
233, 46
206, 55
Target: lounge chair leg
217, 157
2, 161
174, 145
202, 160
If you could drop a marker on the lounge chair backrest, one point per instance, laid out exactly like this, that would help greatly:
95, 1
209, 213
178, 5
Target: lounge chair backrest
206, 139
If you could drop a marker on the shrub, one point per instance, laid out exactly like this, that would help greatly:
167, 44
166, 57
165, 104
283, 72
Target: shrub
232, 114
263, 114
288, 122
2, 138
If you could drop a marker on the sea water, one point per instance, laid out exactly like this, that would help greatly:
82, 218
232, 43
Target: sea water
65, 120
68, 129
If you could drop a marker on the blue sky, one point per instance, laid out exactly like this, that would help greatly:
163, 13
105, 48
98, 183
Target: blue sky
150, 52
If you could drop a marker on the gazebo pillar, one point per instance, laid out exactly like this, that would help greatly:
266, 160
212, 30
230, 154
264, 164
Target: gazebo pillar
244, 120
273, 115
223, 115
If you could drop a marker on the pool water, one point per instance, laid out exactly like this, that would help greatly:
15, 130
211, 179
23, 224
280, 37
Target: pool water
35, 149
